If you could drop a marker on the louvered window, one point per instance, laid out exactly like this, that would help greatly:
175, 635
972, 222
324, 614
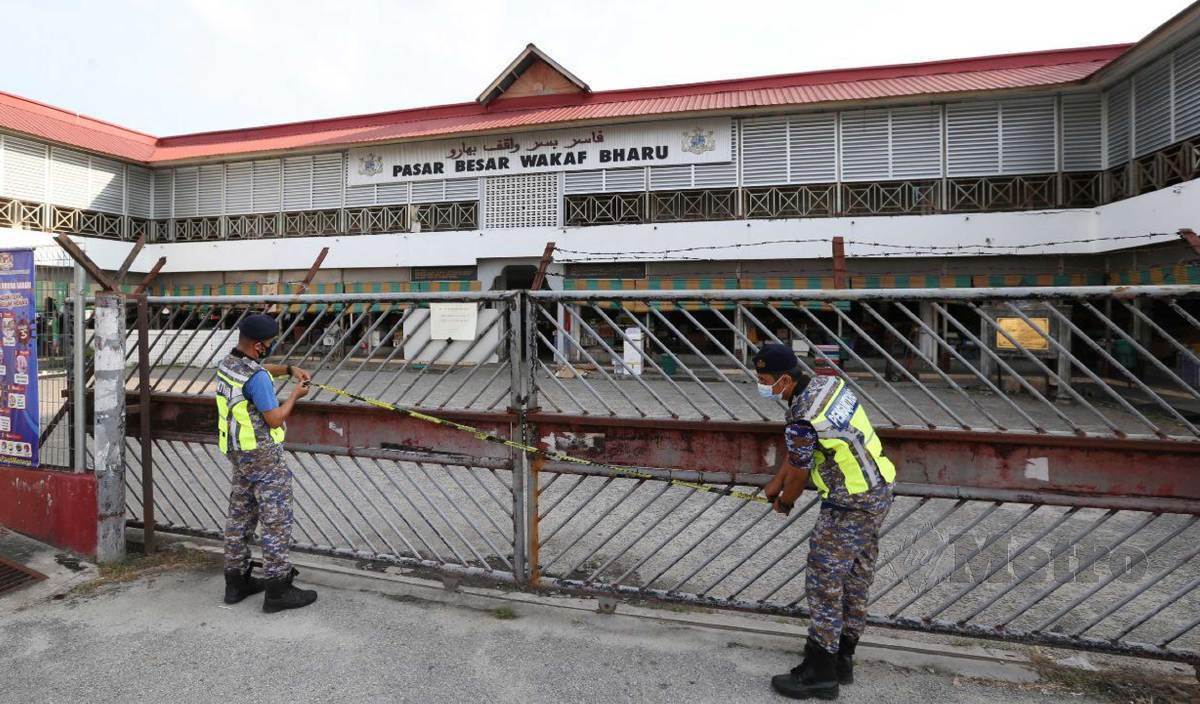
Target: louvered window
1081, 132
1011, 137
212, 186
328, 175
468, 188
391, 193
1187, 91
106, 185
141, 186
670, 178
187, 180
428, 191
164, 185
68, 178
1118, 116
360, 195
917, 142
584, 182
1027, 136
24, 169
297, 183
1152, 107
866, 149
972, 139
267, 175
764, 151
812, 148
605, 181
239, 188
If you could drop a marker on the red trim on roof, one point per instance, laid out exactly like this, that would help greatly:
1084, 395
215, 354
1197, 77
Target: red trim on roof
1009, 71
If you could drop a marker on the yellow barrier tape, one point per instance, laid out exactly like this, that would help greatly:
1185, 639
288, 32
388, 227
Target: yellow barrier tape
615, 470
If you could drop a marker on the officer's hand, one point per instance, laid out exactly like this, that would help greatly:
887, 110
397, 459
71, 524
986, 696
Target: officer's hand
300, 375
792, 481
772, 488
300, 391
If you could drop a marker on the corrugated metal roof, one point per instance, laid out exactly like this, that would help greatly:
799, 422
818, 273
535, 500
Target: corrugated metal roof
839, 86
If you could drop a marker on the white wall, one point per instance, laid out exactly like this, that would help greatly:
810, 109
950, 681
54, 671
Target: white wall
1163, 211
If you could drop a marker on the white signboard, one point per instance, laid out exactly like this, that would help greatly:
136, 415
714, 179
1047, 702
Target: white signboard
651, 144
453, 321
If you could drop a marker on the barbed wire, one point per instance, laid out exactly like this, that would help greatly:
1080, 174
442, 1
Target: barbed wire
886, 245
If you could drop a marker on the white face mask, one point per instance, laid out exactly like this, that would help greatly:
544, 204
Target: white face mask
768, 391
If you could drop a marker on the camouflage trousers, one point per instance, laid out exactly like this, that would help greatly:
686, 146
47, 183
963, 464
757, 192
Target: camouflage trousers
260, 493
841, 567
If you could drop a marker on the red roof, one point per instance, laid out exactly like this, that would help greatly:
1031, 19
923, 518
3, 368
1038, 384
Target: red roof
1028, 70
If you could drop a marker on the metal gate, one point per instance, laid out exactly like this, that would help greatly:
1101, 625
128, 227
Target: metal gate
1047, 442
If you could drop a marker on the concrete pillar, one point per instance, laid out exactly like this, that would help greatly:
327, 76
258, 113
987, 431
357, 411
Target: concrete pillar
1064, 364
740, 349
987, 336
927, 344
108, 430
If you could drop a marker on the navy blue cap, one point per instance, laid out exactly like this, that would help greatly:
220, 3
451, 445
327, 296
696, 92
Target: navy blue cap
774, 358
259, 327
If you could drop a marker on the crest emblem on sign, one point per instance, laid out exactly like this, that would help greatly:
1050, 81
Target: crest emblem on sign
698, 141
370, 165
6, 261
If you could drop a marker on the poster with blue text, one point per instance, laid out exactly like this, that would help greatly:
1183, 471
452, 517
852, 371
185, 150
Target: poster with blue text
18, 362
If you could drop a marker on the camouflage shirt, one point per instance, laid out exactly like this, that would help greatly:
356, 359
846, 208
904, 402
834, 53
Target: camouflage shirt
805, 453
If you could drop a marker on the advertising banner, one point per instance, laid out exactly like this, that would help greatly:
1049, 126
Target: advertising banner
19, 426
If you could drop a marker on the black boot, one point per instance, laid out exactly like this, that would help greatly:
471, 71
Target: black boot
815, 677
845, 659
239, 585
282, 595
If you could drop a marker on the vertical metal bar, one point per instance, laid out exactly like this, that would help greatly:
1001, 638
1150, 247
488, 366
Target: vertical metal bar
79, 384
143, 325
518, 403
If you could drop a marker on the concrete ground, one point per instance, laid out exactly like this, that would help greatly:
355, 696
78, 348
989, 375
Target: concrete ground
393, 637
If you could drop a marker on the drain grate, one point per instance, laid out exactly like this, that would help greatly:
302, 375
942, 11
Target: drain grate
14, 576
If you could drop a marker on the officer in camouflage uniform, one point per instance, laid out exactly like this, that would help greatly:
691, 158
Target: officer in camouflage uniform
830, 440
250, 432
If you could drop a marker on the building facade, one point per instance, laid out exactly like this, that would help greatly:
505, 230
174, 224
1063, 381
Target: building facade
1060, 167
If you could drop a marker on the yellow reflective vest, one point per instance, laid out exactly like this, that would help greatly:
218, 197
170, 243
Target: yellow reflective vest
845, 436
238, 428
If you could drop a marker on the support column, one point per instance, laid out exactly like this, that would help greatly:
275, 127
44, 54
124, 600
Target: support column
986, 366
109, 425
926, 343
1064, 367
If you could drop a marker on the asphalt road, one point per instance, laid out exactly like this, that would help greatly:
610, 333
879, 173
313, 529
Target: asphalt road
168, 638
